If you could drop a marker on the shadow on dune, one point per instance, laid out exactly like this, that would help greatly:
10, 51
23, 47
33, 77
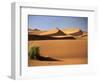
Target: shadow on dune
39, 37
34, 53
42, 58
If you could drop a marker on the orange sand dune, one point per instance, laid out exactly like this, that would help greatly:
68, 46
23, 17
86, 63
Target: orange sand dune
61, 48
61, 36
65, 31
58, 33
55, 31
68, 51
34, 31
72, 31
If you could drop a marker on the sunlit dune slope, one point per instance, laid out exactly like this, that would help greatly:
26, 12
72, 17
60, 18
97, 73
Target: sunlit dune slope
72, 31
52, 32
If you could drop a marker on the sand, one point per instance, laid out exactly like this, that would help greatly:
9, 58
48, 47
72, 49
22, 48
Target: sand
64, 61
68, 51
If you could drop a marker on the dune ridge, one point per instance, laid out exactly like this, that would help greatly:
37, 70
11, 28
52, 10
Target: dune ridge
56, 33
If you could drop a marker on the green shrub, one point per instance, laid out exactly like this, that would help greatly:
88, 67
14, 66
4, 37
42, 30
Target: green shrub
34, 52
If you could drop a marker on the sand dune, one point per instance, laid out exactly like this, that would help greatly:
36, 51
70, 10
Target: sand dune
68, 45
61, 36
67, 51
68, 33
34, 31
55, 32
65, 31
46, 37
61, 48
72, 31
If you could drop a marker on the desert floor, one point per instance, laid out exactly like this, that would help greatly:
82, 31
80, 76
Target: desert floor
64, 61
66, 51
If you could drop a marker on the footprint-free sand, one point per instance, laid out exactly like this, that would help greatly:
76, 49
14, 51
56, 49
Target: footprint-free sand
66, 51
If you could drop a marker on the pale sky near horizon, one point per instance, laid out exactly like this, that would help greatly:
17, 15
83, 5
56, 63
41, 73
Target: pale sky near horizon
43, 22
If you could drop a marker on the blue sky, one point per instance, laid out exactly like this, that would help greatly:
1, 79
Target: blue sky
48, 22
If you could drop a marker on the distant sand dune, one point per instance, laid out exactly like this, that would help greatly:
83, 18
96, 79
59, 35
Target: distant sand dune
72, 31
52, 32
46, 37
34, 31
68, 33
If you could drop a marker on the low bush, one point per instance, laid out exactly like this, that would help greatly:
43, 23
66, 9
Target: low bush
34, 52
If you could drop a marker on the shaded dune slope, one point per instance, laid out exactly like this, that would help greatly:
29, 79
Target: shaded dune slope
53, 34
45, 37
